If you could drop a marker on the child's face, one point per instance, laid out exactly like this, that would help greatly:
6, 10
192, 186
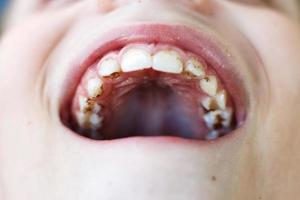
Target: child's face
41, 66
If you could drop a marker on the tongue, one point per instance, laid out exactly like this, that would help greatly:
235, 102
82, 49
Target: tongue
154, 109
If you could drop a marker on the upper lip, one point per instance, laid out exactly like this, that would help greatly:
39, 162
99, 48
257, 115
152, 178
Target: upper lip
185, 37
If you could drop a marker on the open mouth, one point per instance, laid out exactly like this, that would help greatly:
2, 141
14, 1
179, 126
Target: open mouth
157, 87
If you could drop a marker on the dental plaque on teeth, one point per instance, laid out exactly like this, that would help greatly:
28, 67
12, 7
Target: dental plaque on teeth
160, 90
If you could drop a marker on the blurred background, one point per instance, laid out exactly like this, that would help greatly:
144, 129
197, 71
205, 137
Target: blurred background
2, 5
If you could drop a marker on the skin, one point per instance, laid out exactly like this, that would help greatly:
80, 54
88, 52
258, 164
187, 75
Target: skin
41, 159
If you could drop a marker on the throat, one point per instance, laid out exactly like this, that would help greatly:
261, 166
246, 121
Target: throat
154, 109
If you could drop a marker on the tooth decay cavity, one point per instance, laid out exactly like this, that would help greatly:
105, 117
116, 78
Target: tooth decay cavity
217, 116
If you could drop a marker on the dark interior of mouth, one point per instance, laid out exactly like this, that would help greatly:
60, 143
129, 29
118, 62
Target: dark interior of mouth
153, 109
157, 105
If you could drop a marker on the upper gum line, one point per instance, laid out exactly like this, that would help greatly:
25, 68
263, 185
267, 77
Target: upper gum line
209, 82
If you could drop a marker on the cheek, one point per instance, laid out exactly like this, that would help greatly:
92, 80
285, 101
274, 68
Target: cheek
276, 40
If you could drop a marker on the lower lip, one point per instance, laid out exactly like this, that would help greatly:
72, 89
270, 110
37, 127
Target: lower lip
181, 36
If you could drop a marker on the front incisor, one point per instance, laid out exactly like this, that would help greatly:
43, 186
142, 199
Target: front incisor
167, 61
136, 59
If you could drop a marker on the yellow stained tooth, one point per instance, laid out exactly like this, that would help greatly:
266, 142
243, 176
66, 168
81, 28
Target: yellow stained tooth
209, 85
108, 67
194, 67
94, 87
221, 99
209, 103
216, 117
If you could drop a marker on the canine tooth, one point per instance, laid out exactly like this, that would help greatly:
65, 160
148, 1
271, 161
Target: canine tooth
108, 67
136, 59
167, 61
194, 67
221, 98
94, 87
209, 85
95, 120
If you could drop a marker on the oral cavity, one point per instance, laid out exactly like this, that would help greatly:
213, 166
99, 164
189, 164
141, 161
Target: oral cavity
152, 90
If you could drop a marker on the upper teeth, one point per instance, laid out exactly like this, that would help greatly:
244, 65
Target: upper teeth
108, 67
194, 67
170, 61
94, 87
82, 103
167, 61
209, 85
216, 117
136, 59
221, 99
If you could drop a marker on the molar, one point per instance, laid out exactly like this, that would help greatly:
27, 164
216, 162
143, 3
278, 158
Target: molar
214, 134
222, 117
227, 117
136, 59
211, 118
167, 61
209, 103
108, 67
95, 121
209, 85
94, 87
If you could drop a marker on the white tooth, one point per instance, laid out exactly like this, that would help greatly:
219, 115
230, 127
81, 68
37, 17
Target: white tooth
211, 118
208, 103
95, 120
94, 87
81, 118
96, 108
209, 85
194, 67
82, 103
212, 135
221, 98
108, 67
167, 61
136, 59
227, 117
